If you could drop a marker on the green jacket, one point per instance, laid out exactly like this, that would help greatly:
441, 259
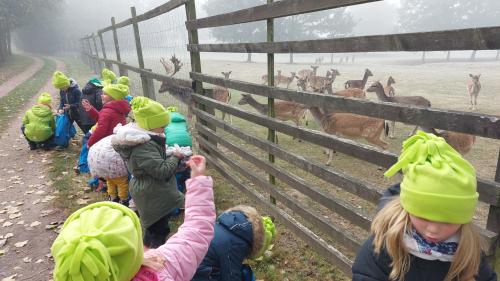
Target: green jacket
39, 123
153, 187
177, 131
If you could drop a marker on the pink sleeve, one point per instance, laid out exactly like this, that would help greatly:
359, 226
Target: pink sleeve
185, 250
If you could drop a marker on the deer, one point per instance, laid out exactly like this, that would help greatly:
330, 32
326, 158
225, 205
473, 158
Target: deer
182, 96
317, 83
306, 73
222, 94
281, 79
359, 83
265, 76
461, 142
390, 92
350, 125
473, 88
378, 89
284, 110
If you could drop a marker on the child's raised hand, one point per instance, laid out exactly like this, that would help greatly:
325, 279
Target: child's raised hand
86, 105
197, 163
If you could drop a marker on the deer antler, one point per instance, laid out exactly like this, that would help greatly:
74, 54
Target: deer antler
177, 64
168, 68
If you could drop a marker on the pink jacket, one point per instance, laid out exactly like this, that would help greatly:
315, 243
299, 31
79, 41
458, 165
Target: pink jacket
185, 250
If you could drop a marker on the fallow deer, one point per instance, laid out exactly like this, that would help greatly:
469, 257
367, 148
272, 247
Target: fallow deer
306, 73
350, 125
359, 83
378, 89
265, 77
391, 92
223, 94
281, 79
176, 91
473, 88
459, 141
317, 83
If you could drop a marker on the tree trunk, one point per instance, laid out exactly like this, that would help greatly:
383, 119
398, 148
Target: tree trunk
291, 57
331, 58
249, 57
473, 55
353, 57
423, 57
448, 56
9, 42
498, 55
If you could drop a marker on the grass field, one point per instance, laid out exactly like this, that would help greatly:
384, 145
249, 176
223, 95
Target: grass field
14, 64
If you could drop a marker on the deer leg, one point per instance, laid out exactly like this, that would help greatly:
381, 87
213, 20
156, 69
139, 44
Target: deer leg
414, 131
223, 115
330, 157
231, 119
471, 103
475, 102
392, 128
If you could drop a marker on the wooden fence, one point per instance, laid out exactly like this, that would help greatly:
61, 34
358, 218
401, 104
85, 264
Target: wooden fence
211, 130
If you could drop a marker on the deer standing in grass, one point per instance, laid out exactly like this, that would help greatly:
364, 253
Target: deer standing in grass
378, 89
222, 94
350, 125
359, 83
317, 83
283, 110
182, 96
264, 77
473, 88
281, 79
306, 73
390, 92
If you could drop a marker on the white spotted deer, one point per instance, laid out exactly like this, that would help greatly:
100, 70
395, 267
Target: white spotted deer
223, 94
473, 88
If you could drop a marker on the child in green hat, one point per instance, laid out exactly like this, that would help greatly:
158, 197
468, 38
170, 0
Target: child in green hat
39, 124
70, 98
153, 186
426, 233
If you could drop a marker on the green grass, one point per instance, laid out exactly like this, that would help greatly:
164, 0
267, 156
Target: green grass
14, 65
17, 98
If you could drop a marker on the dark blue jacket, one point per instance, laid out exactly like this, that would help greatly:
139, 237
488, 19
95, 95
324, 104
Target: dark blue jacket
371, 267
73, 97
232, 243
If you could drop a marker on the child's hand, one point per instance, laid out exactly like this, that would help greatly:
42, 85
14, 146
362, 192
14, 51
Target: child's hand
197, 164
154, 262
178, 154
66, 107
61, 111
86, 105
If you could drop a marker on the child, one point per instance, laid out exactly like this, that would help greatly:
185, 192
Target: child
39, 124
153, 187
70, 99
114, 112
240, 233
92, 92
426, 233
103, 241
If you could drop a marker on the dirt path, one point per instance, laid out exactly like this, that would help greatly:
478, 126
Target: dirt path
13, 82
28, 219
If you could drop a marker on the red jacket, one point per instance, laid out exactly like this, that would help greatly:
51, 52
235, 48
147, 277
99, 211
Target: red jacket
111, 114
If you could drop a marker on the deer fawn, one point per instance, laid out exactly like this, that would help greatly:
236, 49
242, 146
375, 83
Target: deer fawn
223, 95
473, 88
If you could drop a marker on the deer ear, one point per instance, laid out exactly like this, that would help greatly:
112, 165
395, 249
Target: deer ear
470, 75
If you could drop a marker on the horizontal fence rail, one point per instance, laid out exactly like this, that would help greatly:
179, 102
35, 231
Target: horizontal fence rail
489, 191
278, 9
160, 10
451, 40
465, 122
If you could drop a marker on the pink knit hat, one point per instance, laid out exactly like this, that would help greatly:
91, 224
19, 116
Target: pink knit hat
146, 274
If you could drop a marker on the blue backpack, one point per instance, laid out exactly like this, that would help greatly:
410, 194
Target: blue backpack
64, 131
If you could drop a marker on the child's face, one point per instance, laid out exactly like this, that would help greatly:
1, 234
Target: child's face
434, 231
106, 98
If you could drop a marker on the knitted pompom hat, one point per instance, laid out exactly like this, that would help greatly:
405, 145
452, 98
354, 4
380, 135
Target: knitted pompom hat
45, 98
438, 184
108, 77
102, 241
149, 114
116, 91
124, 80
59, 80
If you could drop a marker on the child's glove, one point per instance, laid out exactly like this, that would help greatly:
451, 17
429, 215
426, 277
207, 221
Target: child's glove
185, 150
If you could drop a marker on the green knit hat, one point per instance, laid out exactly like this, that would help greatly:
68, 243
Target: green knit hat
124, 80
96, 82
59, 80
116, 91
438, 184
102, 241
269, 234
45, 98
149, 114
108, 76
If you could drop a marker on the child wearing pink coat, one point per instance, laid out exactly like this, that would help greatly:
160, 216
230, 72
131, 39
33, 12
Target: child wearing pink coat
91, 246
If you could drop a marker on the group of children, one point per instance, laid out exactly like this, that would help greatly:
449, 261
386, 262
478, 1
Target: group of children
422, 231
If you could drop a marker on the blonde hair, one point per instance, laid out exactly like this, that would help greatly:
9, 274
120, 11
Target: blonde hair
392, 222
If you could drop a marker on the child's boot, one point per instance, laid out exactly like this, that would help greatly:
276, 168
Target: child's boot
114, 199
124, 202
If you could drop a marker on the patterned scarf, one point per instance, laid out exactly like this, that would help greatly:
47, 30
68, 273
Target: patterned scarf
419, 247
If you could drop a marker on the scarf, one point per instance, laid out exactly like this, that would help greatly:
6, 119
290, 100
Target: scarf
419, 247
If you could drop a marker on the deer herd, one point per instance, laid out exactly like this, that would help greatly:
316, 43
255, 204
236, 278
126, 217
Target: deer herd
342, 124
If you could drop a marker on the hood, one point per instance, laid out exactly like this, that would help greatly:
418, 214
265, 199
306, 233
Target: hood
120, 106
72, 83
246, 223
129, 135
41, 110
177, 117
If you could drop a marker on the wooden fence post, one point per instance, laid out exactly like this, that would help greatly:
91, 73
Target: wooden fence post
140, 58
99, 63
103, 49
271, 134
493, 223
121, 70
91, 58
151, 86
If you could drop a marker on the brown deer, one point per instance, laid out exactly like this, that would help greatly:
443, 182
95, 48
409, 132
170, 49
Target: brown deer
281, 79
283, 110
223, 95
390, 92
317, 83
306, 73
176, 91
473, 88
378, 89
359, 83
265, 76
350, 125
459, 141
